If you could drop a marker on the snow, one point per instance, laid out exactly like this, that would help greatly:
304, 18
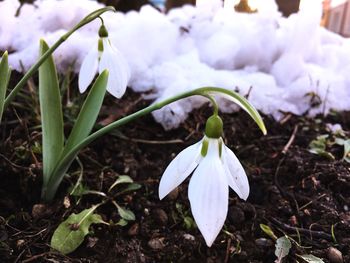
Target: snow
284, 64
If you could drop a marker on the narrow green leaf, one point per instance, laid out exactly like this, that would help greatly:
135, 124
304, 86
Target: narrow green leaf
122, 179
51, 114
88, 113
311, 258
244, 104
268, 231
283, 246
71, 233
131, 187
5, 73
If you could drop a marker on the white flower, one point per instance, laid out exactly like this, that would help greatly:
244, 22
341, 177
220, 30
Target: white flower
217, 169
109, 58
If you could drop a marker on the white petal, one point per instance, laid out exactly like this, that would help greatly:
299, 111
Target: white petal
237, 178
119, 72
88, 69
208, 194
179, 168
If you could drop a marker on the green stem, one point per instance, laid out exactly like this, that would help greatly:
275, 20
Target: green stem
41, 60
214, 104
65, 161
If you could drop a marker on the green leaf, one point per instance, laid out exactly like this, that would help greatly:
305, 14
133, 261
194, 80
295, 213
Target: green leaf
283, 246
243, 103
130, 188
71, 233
126, 214
5, 73
51, 114
319, 146
88, 113
311, 258
122, 179
268, 231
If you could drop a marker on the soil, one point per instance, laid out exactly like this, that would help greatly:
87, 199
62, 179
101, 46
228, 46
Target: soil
295, 192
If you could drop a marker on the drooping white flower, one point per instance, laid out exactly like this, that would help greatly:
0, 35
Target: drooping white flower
216, 169
105, 56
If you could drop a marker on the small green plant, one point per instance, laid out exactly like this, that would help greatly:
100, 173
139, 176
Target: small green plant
283, 246
324, 143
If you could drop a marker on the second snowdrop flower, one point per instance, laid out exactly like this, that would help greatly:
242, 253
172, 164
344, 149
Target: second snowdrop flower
216, 169
105, 56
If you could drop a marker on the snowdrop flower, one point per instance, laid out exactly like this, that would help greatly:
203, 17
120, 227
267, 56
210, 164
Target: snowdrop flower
216, 169
106, 56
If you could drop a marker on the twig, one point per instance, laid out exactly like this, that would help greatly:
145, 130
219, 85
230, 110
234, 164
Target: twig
312, 233
291, 140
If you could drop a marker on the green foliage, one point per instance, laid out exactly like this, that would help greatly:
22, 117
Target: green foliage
187, 220
283, 246
71, 233
323, 143
5, 73
268, 231
319, 147
51, 114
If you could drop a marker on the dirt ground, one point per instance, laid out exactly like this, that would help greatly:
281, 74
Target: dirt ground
295, 192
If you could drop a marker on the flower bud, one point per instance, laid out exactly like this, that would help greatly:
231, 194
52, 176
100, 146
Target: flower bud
214, 127
102, 32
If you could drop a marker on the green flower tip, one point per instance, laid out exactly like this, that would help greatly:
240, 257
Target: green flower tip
214, 127
102, 32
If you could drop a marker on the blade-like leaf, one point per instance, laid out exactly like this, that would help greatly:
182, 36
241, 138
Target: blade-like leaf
268, 231
122, 179
51, 114
71, 233
242, 102
88, 113
5, 73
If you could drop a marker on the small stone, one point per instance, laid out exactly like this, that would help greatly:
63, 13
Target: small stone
40, 211
263, 242
66, 202
334, 255
156, 243
236, 215
293, 220
160, 216
134, 230
20, 243
189, 237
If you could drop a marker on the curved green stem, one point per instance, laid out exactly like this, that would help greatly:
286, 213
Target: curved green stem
41, 60
214, 104
65, 161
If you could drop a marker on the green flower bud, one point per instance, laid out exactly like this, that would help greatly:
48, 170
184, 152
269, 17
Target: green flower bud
214, 127
102, 32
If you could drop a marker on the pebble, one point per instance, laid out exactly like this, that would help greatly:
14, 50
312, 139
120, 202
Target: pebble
160, 216
263, 242
189, 237
40, 211
156, 243
334, 255
134, 230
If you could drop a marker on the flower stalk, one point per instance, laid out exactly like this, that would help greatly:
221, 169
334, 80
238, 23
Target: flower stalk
43, 58
64, 162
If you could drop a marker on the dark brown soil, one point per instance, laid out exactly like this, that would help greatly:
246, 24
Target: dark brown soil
293, 191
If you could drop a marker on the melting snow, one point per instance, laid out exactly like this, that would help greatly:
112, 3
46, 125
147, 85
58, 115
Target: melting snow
284, 64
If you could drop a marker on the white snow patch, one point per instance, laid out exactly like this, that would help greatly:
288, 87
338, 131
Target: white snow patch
284, 64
